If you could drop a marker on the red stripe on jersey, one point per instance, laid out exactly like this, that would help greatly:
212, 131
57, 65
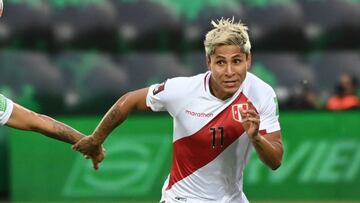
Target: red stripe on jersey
262, 132
193, 152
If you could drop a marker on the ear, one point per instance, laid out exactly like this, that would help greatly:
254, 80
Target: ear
248, 62
208, 62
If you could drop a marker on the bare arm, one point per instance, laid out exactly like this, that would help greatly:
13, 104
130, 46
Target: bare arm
24, 119
269, 148
135, 100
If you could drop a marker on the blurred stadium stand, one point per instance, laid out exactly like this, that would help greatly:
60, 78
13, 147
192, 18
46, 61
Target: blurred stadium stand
332, 23
329, 65
194, 31
92, 80
196, 61
88, 24
277, 26
145, 25
146, 68
32, 78
288, 69
68, 54
26, 24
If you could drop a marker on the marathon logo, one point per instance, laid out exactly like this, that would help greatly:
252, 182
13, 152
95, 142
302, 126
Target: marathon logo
199, 114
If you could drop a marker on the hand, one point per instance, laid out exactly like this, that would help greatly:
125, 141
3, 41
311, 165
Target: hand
250, 120
91, 150
97, 157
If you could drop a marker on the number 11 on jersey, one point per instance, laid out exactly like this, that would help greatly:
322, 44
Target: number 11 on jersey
221, 131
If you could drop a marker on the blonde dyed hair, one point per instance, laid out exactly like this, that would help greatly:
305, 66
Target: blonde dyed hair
227, 32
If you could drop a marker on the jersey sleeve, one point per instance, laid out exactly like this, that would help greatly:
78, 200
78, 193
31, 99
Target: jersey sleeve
156, 97
6, 107
166, 96
269, 115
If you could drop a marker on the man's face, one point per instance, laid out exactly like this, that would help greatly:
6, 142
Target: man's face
228, 66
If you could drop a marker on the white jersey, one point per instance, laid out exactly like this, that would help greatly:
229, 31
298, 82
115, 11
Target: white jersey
6, 107
210, 146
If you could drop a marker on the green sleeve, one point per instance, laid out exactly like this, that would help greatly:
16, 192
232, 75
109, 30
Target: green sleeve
2, 103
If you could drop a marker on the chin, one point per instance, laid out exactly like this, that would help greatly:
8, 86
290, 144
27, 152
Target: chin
231, 90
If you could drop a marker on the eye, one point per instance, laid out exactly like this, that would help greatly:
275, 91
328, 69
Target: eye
220, 62
237, 61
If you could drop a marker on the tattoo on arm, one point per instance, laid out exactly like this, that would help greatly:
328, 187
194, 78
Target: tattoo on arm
66, 133
60, 131
135, 100
111, 120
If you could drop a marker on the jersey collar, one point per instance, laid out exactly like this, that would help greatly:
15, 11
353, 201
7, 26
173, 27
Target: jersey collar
208, 92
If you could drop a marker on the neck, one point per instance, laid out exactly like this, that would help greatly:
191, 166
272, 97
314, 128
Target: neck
215, 90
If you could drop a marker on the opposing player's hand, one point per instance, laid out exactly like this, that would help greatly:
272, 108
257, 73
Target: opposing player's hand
250, 120
98, 157
90, 150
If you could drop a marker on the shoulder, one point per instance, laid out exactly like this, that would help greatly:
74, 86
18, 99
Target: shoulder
255, 86
174, 88
172, 93
184, 84
258, 91
186, 80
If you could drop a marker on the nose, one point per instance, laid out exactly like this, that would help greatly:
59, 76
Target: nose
229, 70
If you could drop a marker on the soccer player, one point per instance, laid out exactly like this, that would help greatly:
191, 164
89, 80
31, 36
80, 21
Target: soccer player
219, 116
16, 116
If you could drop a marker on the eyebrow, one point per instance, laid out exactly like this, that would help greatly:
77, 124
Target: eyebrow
222, 57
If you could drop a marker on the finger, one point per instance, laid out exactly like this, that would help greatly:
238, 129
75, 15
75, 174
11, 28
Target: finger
250, 104
243, 113
95, 164
245, 119
75, 147
101, 157
246, 122
84, 152
255, 121
249, 114
252, 113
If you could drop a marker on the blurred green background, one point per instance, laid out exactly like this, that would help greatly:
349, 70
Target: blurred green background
322, 162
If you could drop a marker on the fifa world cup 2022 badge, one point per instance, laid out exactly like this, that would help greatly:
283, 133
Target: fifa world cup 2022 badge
159, 88
236, 111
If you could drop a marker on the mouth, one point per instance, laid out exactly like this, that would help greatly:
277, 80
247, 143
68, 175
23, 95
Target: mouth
230, 83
